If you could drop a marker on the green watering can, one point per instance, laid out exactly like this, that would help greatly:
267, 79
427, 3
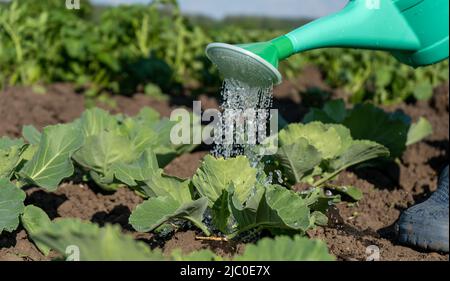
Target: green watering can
413, 31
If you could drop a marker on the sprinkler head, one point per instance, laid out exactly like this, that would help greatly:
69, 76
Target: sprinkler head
254, 64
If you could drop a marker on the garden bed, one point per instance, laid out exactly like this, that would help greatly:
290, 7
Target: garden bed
351, 230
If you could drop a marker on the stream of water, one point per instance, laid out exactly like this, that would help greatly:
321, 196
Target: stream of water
245, 115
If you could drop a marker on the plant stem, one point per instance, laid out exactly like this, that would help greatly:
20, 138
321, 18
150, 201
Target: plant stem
212, 238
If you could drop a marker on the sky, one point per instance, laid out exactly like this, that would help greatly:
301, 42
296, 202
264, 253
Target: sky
276, 8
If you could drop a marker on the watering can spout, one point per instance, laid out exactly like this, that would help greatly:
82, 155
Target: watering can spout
416, 32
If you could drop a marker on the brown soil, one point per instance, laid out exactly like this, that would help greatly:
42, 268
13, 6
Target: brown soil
352, 229
21, 106
388, 193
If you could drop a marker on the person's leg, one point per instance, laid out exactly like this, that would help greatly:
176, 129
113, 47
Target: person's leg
425, 225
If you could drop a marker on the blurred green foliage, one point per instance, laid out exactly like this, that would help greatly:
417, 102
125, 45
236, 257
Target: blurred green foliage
376, 76
130, 47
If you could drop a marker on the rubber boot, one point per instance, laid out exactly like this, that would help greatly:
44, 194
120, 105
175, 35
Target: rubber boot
425, 225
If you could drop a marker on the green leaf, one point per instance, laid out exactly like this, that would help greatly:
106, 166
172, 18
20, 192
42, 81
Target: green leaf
10, 152
158, 210
245, 213
94, 243
319, 218
147, 116
106, 182
141, 170
284, 248
142, 137
281, 248
11, 205
285, 206
423, 90
163, 129
217, 174
325, 138
418, 131
6, 142
155, 92
28, 152
104, 149
221, 213
278, 208
358, 152
31, 134
298, 159
165, 150
317, 149
95, 121
163, 185
202, 255
384, 76
316, 114
33, 220
350, 191
336, 109
367, 122
147, 131
51, 163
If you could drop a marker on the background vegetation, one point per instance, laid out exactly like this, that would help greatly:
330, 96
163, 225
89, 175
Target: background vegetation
154, 48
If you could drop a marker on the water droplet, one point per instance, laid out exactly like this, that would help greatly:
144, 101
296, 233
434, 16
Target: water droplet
279, 176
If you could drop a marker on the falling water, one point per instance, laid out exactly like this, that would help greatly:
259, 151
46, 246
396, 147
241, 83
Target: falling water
238, 97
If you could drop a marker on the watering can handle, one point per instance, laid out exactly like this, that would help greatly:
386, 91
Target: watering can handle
414, 31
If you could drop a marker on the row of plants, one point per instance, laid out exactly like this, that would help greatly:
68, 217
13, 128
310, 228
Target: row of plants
226, 198
154, 49
110, 244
